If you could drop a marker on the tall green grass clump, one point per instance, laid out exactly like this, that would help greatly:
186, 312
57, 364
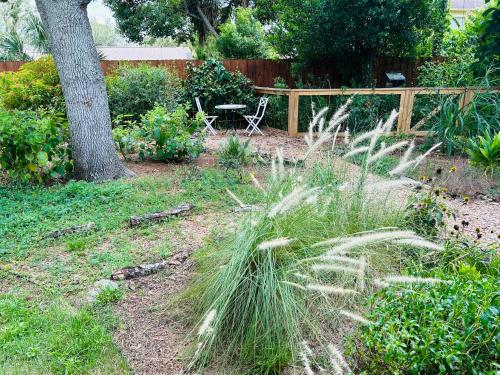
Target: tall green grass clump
304, 259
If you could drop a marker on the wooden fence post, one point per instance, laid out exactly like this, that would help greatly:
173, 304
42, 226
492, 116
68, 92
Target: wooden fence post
405, 111
293, 114
466, 99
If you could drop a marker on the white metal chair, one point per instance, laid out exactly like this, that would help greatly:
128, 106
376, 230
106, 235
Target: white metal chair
254, 121
209, 120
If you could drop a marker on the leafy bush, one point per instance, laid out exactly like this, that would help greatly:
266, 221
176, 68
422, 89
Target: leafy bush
134, 90
440, 329
234, 153
35, 85
485, 152
174, 134
214, 85
127, 135
34, 147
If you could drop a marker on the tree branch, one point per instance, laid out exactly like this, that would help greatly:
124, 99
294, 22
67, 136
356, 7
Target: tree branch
205, 20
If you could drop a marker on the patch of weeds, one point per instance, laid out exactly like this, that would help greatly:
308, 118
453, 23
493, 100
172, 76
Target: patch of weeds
54, 339
109, 295
77, 246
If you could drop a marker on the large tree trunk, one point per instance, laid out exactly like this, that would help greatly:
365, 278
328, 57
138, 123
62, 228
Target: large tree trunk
82, 80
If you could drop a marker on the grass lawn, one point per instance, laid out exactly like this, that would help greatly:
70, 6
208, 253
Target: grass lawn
45, 324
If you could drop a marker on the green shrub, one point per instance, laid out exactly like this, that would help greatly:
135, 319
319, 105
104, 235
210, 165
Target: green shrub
485, 152
174, 134
214, 85
134, 90
34, 147
35, 85
440, 329
127, 135
234, 153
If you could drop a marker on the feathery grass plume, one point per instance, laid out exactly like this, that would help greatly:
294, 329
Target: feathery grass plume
232, 195
369, 239
356, 151
355, 317
274, 170
365, 136
420, 242
295, 285
405, 164
273, 244
339, 258
407, 153
328, 289
346, 136
324, 134
334, 140
340, 111
334, 268
336, 240
386, 151
337, 355
257, 183
305, 353
397, 279
296, 197
301, 276
205, 326
379, 283
389, 185
362, 273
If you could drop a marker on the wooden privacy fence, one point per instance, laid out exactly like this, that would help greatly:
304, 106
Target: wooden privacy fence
264, 72
261, 72
407, 99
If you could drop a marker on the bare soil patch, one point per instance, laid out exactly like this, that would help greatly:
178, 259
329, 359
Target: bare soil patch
152, 340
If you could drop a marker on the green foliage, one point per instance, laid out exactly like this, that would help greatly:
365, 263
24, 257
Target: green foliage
54, 339
35, 85
127, 135
487, 27
244, 38
175, 134
34, 147
214, 85
485, 152
354, 32
134, 90
277, 107
439, 329
234, 153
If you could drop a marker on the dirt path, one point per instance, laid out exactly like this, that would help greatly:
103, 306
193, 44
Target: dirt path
152, 339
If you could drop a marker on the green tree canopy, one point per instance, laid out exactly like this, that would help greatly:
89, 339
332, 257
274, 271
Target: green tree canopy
352, 32
179, 19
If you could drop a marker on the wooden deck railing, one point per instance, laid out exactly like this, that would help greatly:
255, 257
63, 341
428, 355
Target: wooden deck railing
407, 98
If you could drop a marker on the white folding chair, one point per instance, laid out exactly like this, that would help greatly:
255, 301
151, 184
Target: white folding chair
209, 120
254, 121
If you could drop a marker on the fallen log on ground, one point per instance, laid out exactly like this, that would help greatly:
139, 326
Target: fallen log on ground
147, 269
158, 216
75, 229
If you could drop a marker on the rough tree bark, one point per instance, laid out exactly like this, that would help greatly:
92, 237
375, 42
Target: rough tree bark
82, 80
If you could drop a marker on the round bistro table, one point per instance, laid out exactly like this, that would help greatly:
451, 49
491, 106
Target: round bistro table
231, 108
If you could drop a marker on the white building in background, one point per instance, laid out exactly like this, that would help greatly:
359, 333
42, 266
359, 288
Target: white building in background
461, 9
146, 53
